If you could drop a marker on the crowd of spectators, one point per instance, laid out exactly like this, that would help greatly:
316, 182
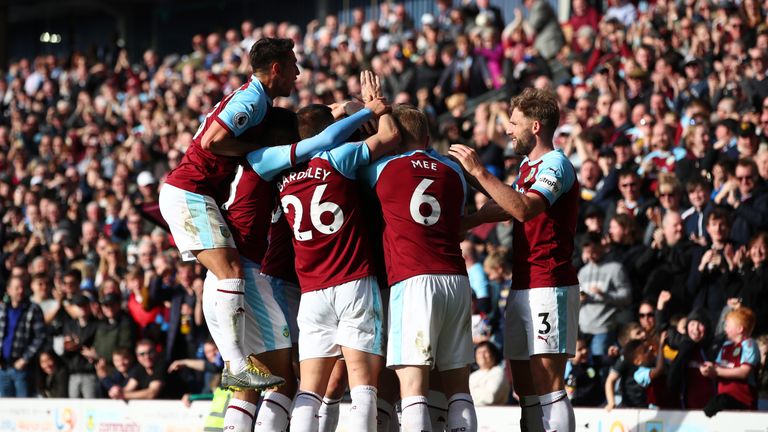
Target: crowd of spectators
664, 116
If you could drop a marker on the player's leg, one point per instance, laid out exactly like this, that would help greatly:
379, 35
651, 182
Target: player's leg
241, 411
315, 373
318, 352
547, 371
455, 350
518, 337
250, 376
555, 321
360, 336
414, 407
388, 388
201, 233
334, 391
268, 340
363, 372
437, 402
274, 414
411, 344
389, 391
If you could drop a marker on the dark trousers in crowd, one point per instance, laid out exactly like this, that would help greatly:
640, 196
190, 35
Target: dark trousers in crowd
723, 402
13, 382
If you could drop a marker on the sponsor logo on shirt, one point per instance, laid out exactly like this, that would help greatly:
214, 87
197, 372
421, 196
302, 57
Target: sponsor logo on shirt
549, 183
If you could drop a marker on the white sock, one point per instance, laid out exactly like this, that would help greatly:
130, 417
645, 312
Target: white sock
385, 416
461, 414
329, 414
438, 410
273, 414
239, 416
304, 413
229, 305
531, 414
415, 414
363, 410
557, 412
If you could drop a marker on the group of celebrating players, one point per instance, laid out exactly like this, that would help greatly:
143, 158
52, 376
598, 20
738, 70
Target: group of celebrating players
257, 176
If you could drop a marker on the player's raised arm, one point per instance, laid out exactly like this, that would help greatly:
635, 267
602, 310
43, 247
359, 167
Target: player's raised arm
270, 161
522, 207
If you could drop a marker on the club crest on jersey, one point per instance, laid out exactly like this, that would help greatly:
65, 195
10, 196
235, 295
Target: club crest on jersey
530, 175
224, 231
286, 333
240, 119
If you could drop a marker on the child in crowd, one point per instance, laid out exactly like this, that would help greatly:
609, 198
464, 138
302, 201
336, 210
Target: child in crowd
736, 366
640, 369
694, 345
582, 377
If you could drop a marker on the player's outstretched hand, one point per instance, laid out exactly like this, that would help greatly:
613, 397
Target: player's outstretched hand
468, 158
370, 86
378, 106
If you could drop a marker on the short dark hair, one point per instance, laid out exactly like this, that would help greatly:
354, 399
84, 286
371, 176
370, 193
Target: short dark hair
494, 350
592, 239
697, 182
630, 349
539, 105
720, 213
312, 119
282, 127
269, 50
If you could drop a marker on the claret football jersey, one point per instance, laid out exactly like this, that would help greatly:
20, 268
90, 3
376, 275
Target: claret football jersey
422, 195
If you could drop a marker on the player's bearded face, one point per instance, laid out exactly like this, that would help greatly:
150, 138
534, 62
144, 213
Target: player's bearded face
519, 130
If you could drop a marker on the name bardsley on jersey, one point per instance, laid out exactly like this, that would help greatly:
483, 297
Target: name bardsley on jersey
309, 173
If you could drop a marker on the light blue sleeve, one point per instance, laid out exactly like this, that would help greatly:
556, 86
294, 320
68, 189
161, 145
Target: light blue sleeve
555, 177
332, 136
642, 376
346, 158
370, 173
478, 281
244, 110
749, 353
268, 162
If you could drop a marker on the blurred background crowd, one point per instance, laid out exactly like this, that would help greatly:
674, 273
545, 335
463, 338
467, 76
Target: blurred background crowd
664, 115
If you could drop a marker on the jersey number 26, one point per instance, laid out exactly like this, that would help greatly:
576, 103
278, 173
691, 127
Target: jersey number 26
316, 209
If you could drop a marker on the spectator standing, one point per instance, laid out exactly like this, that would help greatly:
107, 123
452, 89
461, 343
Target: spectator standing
79, 333
750, 280
605, 294
22, 333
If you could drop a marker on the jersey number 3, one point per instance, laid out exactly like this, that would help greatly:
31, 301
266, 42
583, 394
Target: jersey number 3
316, 209
418, 198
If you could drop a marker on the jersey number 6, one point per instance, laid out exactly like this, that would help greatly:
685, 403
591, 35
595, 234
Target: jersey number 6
316, 209
418, 198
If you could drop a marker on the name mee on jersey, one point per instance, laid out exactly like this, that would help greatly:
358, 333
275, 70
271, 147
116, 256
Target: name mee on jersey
310, 173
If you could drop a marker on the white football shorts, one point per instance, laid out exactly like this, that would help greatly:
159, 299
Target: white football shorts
195, 221
541, 321
348, 315
430, 322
